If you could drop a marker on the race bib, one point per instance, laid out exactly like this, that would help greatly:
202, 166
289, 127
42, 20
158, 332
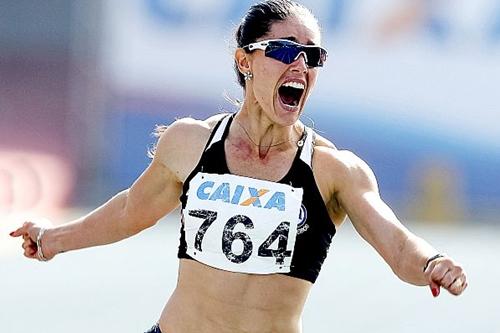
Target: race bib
241, 224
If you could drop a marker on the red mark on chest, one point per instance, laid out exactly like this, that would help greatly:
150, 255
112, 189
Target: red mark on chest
242, 150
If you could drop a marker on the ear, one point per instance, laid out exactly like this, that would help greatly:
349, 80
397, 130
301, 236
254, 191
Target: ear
242, 60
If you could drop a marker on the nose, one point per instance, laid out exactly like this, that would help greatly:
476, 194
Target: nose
300, 63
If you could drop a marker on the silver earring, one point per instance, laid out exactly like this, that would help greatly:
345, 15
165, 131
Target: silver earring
248, 75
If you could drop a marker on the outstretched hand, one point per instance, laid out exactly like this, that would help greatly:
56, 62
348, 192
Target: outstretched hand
445, 272
29, 231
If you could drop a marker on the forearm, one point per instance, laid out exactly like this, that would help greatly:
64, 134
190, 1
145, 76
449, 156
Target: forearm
405, 253
411, 260
107, 224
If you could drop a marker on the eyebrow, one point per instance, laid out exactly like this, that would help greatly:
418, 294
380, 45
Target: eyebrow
294, 39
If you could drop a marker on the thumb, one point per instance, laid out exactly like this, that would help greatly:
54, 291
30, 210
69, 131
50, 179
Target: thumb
435, 289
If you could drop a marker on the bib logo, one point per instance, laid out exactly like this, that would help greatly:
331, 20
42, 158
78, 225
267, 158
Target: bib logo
302, 216
302, 226
226, 194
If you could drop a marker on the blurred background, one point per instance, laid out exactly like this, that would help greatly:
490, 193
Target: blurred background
411, 86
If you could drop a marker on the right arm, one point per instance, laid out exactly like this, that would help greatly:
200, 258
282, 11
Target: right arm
153, 195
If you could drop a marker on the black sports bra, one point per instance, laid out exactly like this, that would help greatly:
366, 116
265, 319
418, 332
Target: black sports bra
315, 229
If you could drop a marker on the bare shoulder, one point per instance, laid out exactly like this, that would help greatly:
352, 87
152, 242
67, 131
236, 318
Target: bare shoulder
320, 141
213, 120
186, 131
181, 143
341, 169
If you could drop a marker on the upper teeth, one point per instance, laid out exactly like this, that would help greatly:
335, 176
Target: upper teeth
296, 85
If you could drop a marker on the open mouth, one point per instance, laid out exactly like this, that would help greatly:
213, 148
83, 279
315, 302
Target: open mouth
290, 93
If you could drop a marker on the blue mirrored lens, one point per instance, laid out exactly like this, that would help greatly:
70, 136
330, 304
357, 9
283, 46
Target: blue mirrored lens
287, 53
284, 53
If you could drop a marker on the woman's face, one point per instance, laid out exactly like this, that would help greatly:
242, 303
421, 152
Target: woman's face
270, 77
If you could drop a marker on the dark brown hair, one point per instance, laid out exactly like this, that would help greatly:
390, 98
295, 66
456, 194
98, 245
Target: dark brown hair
258, 20
255, 24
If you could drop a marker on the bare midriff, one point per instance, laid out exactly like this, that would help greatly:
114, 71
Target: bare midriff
209, 300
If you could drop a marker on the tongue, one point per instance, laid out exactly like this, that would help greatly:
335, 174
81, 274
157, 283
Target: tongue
288, 100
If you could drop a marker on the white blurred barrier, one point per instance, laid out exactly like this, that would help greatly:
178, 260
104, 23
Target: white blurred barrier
123, 287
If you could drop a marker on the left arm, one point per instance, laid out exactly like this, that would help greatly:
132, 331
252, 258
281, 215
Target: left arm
405, 253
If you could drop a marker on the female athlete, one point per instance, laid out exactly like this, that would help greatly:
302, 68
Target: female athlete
262, 196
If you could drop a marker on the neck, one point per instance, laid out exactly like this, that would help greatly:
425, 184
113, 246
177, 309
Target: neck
262, 134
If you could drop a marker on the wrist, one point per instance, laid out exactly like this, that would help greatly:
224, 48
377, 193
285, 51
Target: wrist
431, 259
51, 245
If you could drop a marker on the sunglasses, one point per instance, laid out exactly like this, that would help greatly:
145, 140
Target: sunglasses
287, 51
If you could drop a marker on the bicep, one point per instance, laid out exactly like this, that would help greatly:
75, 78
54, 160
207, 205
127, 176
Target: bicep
153, 195
157, 191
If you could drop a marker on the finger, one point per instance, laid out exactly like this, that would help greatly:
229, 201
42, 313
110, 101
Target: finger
450, 277
30, 254
29, 241
22, 230
18, 232
31, 251
455, 272
438, 274
435, 289
29, 246
458, 286
436, 271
